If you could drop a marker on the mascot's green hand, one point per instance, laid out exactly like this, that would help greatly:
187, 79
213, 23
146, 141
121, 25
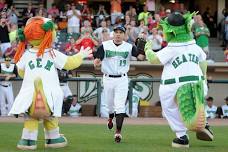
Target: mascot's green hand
148, 46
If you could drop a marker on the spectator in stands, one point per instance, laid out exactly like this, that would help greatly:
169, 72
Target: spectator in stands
127, 21
53, 11
129, 35
225, 109
162, 12
99, 30
101, 15
141, 28
109, 24
86, 27
156, 40
132, 13
71, 47
209, 21
28, 12
133, 31
202, 35
210, 109
74, 17
86, 13
41, 10
13, 15
105, 36
75, 108
116, 10
144, 15
87, 40
13, 32
150, 6
196, 20
62, 24
2, 4
41, 13
4, 35
167, 12
10, 52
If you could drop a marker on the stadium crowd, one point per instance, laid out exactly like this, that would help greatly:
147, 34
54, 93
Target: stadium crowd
78, 25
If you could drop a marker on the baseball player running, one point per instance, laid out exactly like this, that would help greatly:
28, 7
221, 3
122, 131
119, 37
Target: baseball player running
114, 58
7, 70
183, 86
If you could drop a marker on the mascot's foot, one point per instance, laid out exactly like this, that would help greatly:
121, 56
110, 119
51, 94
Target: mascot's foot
56, 143
181, 142
25, 144
206, 134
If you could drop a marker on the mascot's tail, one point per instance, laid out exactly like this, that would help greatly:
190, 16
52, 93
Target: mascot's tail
39, 108
190, 100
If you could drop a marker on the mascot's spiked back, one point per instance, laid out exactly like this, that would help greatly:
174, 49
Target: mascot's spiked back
40, 96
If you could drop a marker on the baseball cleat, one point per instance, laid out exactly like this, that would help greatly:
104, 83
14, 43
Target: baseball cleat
110, 124
206, 134
181, 142
56, 143
25, 144
117, 137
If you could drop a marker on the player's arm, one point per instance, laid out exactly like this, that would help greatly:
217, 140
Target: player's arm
98, 56
76, 60
150, 54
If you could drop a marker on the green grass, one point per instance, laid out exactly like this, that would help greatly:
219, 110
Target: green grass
96, 138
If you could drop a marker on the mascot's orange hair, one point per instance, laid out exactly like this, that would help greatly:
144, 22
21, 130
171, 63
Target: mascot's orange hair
35, 30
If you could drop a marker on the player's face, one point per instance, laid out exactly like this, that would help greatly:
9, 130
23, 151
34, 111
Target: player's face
118, 36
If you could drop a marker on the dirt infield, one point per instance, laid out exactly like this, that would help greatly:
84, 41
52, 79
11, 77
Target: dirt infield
130, 121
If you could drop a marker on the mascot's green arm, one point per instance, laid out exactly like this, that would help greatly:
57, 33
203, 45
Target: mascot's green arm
203, 66
150, 54
73, 62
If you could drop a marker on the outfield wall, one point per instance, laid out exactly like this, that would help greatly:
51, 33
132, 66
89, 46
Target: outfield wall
147, 91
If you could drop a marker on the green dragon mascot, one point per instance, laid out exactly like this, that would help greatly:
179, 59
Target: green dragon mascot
183, 81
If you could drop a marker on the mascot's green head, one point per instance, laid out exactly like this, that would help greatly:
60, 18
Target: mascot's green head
176, 27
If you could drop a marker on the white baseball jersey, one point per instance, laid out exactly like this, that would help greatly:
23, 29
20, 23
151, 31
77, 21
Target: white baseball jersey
116, 58
181, 59
45, 69
225, 110
211, 111
7, 70
74, 110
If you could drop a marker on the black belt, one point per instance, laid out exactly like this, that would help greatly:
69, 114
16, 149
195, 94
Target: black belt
5, 85
115, 76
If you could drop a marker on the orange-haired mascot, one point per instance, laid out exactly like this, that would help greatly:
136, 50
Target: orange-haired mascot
41, 97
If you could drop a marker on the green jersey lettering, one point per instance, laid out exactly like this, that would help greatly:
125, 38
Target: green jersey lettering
31, 65
38, 64
48, 65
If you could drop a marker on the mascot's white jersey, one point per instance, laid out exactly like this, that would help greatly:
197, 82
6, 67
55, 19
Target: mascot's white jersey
116, 58
45, 69
181, 59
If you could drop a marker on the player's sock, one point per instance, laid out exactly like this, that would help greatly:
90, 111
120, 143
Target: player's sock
119, 121
111, 115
